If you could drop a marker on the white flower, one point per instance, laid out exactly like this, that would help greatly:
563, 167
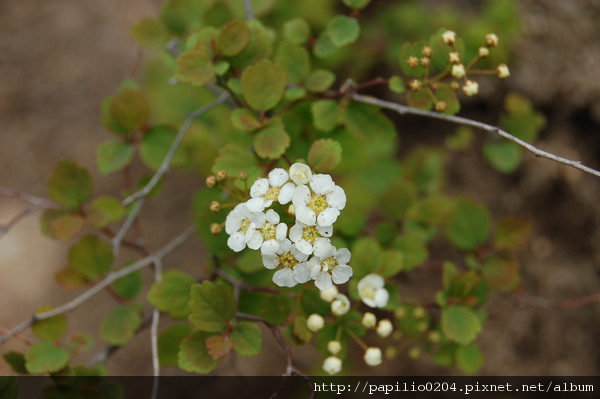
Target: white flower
458, 70
373, 356
470, 88
265, 191
483, 52
340, 305
268, 232
369, 320
332, 365
300, 173
372, 292
334, 347
305, 236
449, 37
329, 264
491, 40
384, 328
454, 57
239, 227
315, 322
287, 257
502, 71
320, 205
328, 295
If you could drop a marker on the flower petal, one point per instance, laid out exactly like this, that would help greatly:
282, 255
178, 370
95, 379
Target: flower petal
259, 188
278, 177
337, 198
325, 231
323, 281
284, 277
381, 297
323, 248
255, 240
295, 232
322, 184
272, 216
328, 217
270, 260
304, 247
256, 204
343, 256
269, 247
341, 274
306, 215
236, 241
286, 193
300, 173
301, 273
301, 196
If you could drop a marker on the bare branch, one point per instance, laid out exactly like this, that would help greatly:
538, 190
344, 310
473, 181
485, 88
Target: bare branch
118, 238
543, 303
5, 228
154, 334
249, 11
31, 199
405, 110
109, 279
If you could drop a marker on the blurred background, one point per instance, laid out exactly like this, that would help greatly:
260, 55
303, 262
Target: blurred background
59, 59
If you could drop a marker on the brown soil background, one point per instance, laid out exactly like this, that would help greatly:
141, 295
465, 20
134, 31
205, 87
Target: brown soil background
59, 59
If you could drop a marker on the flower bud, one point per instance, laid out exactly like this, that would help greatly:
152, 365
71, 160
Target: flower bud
334, 347
454, 57
216, 229
419, 312
458, 71
491, 40
414, 84
373, 356
332, 365
449, 37
315, 322
412, 61
292, 211
397, 335
414, 352
427, 51
369, 320
243, 175
434, 337
454, 85
440, 106
502, 71
300, 173
384, 328
483, 52
425, 62
340, 305
470, 88
391, 352
400, 313
329, 295
211, 181
215, 206
221, 175
422, 327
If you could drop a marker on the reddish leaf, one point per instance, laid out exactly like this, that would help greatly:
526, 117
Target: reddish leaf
218, 346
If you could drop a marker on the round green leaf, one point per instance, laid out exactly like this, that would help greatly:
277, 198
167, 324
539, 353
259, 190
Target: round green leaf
150, 33
156, 144
324, 46
168, 344
420, 99
70, 184
447, 95
51, 329
324, 155
91, 257
172, 293
44, 358
396, 84
219, 346
193, 354
512, 233
234, 37
129, 286
414, 250
195, 66
319, 80
212, 306
244, 119
469, 225
296, 30
469, 359
271, 142
16, 361
366, 257
343, 30
129, 109
246, 339
113, 155
460, 324
263, 84
504, 156
65, 227
392, 262
326, 114
294, 59
121, 323
274, 309
357, 4
501, 272
104, 211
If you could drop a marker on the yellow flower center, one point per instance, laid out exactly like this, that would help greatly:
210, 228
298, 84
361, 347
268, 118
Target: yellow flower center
318, 203
287, 260
310, 234
272, 194
268, 231
245, 225
328, 264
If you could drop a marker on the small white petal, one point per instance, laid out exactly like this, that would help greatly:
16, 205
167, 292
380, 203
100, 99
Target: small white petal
300, 173
280, 231
272, 216
301, 273
323, 281
296, 232
322, 184
259, 219
304, 247
269, 260
343, 256
284, 277
233, 223
325, 231
328, 217
301, 196
256, 204
306, 215
259, 188
236, 241
321, 247
269, 247
381, 297
341, 274
255, 240
337, 198
278, 177
286, 193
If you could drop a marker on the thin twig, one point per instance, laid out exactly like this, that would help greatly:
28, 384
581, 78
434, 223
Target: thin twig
249, 11
109, 279
405, 110
118, 238
5, 228
31, 199
543, 303
154, 334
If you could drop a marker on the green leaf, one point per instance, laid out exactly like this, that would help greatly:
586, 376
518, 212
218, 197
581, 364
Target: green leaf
420, 99
149, 33
16, 361
326, 114
65, 227
234, 159
366, 257
512, 233
172, 293
113, 155
9, 388
447, 95
69, 279
44, 357
104, 211
246, 339
79, 342
51, 329
324, 155
156, 144
120, 324
244, 119
414, 250
259, 46
70, 184
312, 302
300, 329
392, 262
274, 309
343, 30
263, 84
271, 142
324, 47
319, 80
439, 59
504, 156
469, 225
357, 4
411, 50
169, 342
193, 354
212, 306
195, 66
469, 359
234, 37
501, 272
396, 84
127, 111
460, 324
219, 346
129, 286
294, 59
296, 30
90, 257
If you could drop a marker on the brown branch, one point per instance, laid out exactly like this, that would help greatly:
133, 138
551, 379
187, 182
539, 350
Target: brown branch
566, 304
5, 228
31, 199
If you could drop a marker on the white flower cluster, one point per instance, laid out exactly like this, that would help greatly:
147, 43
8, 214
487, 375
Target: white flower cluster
306, 252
